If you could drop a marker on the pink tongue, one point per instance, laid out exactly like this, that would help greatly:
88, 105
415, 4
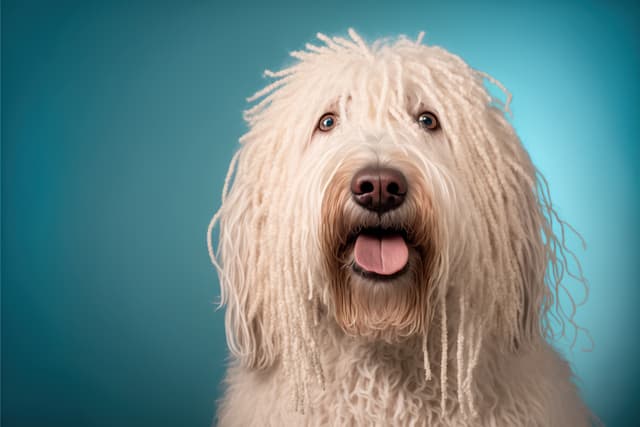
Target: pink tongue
384, 255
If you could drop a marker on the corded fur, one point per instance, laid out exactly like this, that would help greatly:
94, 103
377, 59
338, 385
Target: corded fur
496, 269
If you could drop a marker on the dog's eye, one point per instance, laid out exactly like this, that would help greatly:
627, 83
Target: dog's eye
428, 120
327, 122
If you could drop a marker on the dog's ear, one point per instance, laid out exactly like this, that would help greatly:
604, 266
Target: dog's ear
529, 256
245, 271
531, 259
520, 242
262, 239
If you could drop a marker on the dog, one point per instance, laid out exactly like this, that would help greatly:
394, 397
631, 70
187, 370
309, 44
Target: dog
386, 251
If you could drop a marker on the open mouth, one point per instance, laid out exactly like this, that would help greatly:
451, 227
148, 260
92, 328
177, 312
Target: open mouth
380, 253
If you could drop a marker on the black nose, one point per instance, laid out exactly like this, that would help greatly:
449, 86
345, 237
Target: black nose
379, 189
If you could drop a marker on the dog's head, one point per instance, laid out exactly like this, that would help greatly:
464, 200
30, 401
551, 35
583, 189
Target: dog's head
381, 188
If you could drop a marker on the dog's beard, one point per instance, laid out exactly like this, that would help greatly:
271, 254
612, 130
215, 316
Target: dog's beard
389, 308
381, 309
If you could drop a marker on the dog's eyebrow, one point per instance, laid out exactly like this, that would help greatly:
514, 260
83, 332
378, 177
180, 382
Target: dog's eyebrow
338, 105
421, 106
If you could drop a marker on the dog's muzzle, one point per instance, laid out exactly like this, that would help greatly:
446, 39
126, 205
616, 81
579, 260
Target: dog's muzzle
380, 252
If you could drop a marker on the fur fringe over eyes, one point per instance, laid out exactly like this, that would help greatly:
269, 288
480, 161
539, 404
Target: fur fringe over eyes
501, 265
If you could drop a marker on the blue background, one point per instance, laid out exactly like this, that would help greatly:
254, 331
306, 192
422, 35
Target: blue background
118, 122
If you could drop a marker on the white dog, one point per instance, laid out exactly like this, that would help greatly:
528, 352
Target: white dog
386, 251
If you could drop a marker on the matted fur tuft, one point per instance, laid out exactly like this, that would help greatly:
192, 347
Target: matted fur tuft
483, 291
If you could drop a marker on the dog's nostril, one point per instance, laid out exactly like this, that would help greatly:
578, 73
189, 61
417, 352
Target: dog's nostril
366, 187
393, 188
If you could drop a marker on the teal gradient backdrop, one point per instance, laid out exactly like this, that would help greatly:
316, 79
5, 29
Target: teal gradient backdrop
118, 122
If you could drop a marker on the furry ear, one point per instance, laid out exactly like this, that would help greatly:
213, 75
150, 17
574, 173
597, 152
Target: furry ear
531, 260
521, 253
262, 281
244, 272
528, 257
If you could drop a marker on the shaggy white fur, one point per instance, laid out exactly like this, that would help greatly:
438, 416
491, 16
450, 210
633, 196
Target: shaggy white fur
460, 335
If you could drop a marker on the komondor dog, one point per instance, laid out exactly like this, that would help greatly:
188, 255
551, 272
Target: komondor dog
386, 251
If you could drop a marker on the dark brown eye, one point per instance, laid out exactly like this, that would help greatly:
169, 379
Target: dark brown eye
428, 121
327, 122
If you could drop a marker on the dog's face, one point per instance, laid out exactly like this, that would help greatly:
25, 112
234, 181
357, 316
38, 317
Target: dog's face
380, 189
378, 221
385, 167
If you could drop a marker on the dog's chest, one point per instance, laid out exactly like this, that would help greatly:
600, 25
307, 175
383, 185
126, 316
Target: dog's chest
371, 387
